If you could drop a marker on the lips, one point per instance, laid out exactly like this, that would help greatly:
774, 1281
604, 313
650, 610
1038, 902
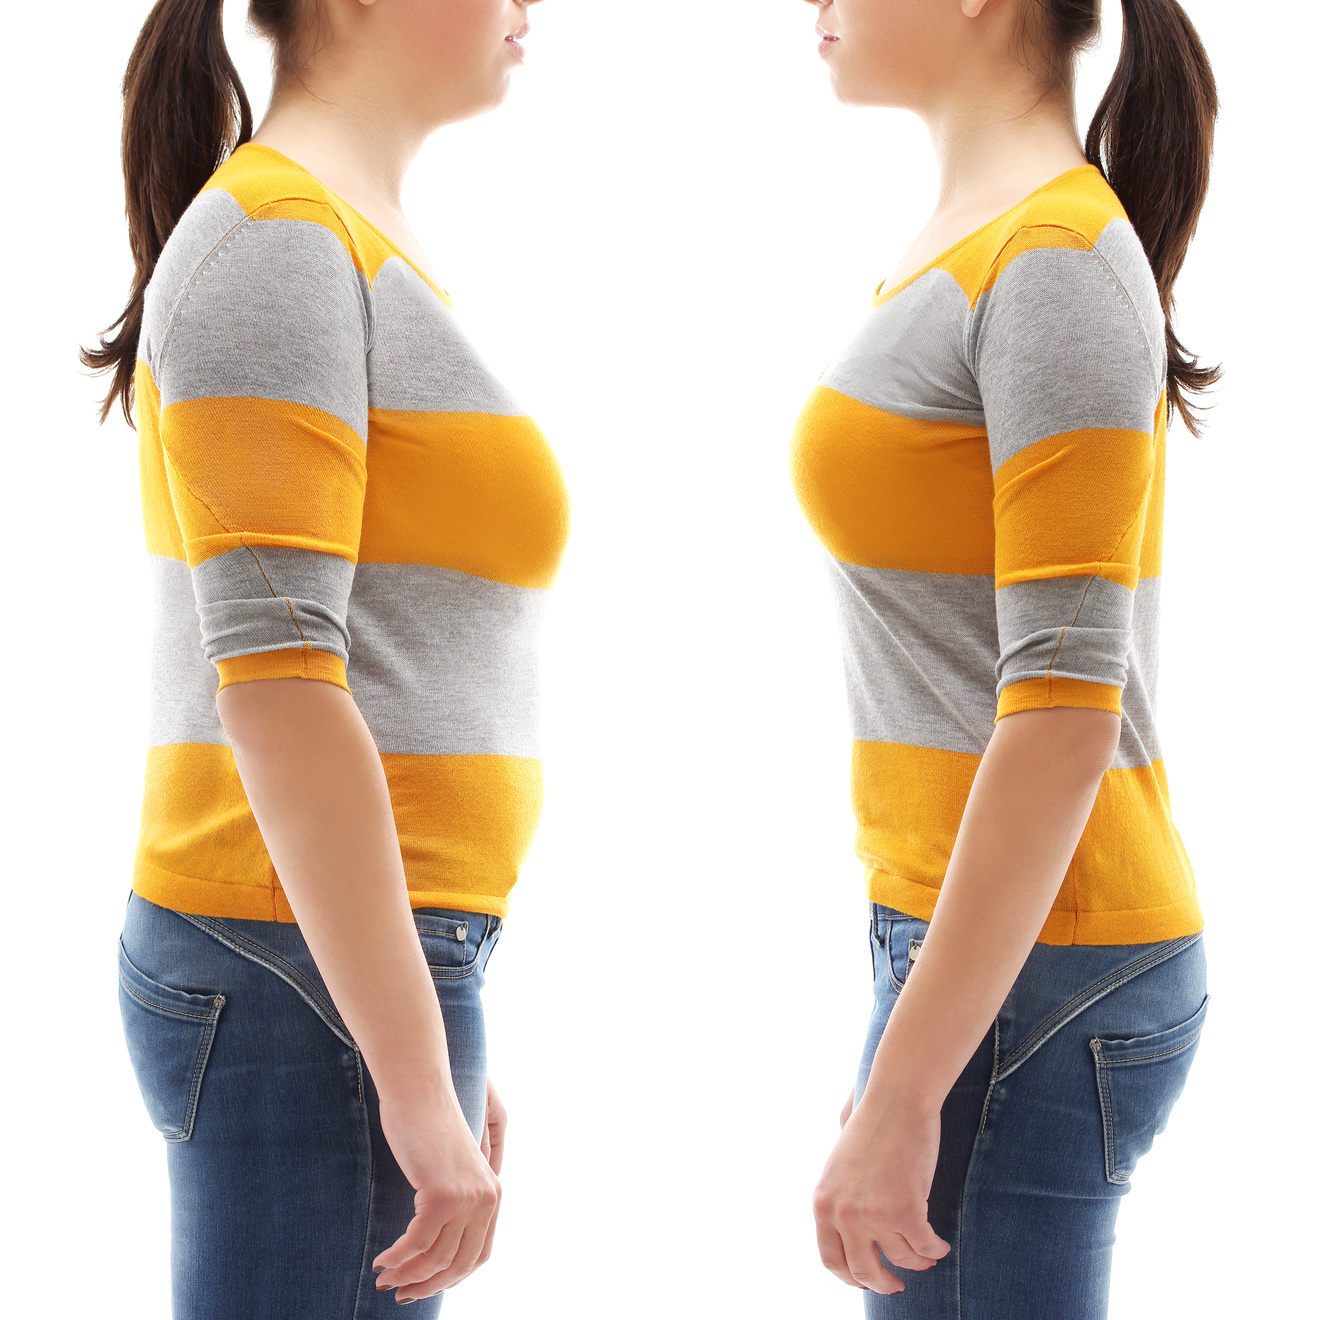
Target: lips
512, 41
823, 35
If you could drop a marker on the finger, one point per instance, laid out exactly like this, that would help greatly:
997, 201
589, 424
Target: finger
864, 1263
495, 1150
464, 1262
485, 1139
830, 1246
899, 1251
427, 1263
846, 1114
490, 1239
922, 1239
419, 1236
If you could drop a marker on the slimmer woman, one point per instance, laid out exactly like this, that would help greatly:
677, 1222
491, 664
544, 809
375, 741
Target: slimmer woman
351, 527
984, 464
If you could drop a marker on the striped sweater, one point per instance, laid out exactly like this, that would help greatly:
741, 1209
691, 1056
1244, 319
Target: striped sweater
324, 458
984, 463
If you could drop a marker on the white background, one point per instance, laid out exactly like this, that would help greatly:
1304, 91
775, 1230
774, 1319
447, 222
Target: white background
658, 243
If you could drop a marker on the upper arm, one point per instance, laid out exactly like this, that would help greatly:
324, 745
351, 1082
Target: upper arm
261, 370
1071, 391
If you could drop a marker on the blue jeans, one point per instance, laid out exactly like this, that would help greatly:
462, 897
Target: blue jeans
282, 1187
1041, 1132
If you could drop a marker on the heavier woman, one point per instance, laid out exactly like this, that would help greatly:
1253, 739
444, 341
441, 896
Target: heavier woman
985, 465
351, 527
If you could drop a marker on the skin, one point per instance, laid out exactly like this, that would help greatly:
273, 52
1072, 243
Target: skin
997, 138
381, 76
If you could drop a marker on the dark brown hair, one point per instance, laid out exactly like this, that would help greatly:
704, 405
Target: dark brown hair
1151, 136
184, 111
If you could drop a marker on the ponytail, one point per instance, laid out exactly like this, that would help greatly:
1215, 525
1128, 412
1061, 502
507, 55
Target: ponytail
1151, 138
184, 111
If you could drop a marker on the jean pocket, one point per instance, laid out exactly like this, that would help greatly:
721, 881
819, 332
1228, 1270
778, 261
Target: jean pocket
1140, 1078
451, 941
903, 938
169, 1034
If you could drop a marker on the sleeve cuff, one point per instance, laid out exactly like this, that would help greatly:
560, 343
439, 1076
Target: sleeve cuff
1046, 693
295, 662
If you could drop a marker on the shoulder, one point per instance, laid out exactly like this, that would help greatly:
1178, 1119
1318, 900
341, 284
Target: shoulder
1068, 255
263, 229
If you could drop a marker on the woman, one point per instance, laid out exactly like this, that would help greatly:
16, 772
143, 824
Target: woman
984, 464
329, 836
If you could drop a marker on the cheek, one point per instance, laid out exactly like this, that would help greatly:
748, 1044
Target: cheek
461, 36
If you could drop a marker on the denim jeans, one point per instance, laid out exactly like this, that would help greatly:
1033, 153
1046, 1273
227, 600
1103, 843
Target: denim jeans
1041, 1132
282, 1187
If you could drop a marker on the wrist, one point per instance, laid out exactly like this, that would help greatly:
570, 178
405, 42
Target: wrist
414, 1090
910, 1093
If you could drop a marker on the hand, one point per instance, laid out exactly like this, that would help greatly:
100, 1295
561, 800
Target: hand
492, 1135
846, 1112
457, 1201
874, 1192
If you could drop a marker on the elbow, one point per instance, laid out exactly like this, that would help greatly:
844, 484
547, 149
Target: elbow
1079, 743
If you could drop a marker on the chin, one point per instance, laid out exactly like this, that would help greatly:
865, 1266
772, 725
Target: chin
848, 92
490, 98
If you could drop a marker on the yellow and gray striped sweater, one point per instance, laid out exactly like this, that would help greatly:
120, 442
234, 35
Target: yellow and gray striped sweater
985, 465
323, 457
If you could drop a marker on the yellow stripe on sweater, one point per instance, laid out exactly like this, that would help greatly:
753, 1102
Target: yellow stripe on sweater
1130, 880
885, 491
478, 492
465, 826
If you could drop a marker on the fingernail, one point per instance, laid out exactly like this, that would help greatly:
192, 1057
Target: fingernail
405, 1301
379, 1269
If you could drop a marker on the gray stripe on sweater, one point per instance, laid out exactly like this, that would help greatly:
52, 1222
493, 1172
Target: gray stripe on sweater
919, 655
921, 649
1057, 346
269, 598
275, 312
181, 697
1074, 627
907, 357
445, 662
420, 360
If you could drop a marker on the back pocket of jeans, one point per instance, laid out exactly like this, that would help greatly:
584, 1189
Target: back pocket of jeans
1140, 1078
169, 1034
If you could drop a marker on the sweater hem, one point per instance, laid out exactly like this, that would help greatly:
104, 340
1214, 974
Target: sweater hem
265, 902
1115, 926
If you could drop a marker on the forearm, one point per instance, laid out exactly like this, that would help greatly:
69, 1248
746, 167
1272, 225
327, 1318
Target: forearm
316, 786
1029, 803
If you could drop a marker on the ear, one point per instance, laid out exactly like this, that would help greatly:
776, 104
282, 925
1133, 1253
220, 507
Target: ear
972, 8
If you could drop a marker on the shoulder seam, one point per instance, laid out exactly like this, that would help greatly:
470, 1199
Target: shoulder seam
1099, 256
368, 327
183, 293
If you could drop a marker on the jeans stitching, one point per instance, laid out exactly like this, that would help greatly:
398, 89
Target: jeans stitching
1085, 998
1140, 1058
289, 974
894, 982
164, 1008
1106, 1117
199, 1067
967, 1177
363, 1263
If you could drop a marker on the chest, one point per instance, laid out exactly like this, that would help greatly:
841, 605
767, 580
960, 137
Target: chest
458, 476
890, 459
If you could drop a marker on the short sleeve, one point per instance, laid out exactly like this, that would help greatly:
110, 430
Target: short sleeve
263, 394
1070, 387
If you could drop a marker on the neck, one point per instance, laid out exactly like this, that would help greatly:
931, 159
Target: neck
345, 135
1002, 138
